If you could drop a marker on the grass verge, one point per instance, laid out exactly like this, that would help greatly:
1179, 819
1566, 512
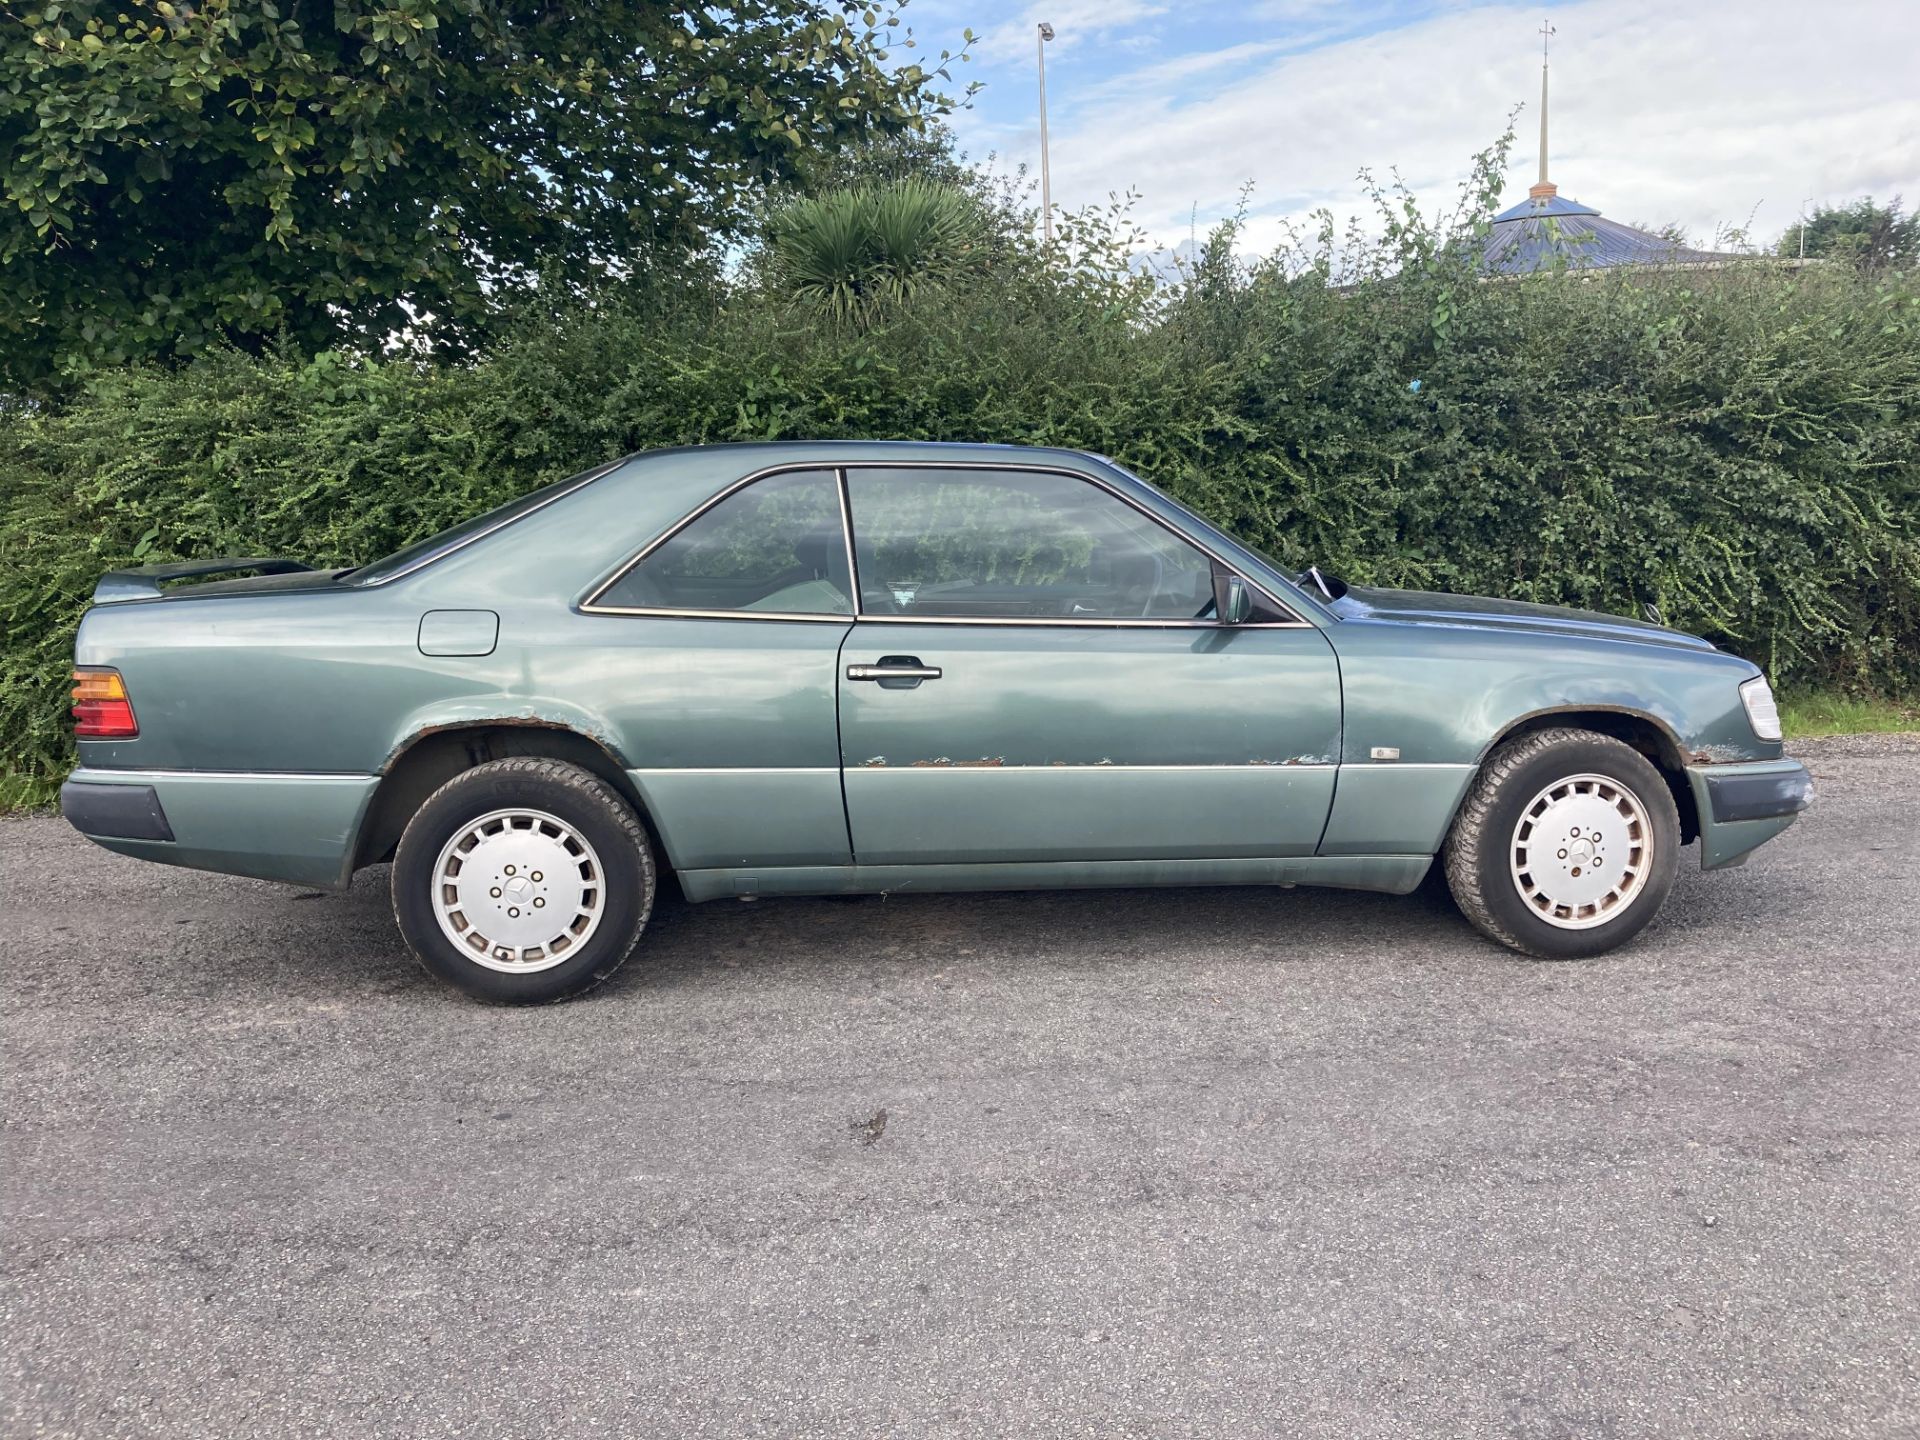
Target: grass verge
25, 793
1806, 716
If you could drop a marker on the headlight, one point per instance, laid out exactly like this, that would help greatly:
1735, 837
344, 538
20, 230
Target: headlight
1762, 713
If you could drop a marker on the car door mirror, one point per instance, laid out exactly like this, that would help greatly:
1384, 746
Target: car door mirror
1232, 600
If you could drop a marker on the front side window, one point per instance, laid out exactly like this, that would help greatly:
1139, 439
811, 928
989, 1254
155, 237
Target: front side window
775, 547
1016, 544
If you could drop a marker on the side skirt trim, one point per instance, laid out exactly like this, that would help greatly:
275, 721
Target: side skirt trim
1393, 874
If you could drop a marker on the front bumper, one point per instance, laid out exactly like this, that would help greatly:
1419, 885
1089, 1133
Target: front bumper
1742, 806
273, 826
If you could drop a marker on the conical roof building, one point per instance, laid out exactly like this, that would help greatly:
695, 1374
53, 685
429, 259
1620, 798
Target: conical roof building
1548, 231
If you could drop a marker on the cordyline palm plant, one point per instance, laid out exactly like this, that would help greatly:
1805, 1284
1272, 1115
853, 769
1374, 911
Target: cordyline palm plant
856, 254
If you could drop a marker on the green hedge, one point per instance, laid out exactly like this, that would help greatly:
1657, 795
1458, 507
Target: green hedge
1740, 448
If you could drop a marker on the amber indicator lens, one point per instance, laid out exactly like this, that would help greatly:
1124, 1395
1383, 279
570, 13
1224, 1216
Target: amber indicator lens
101, 710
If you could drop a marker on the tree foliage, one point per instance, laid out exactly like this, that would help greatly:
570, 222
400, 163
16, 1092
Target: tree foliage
1865, 235
344, 171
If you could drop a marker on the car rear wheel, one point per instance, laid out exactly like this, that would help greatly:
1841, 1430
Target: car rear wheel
523, 881
1567, 845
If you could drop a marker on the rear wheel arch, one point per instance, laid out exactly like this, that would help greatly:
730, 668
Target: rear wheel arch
433, 756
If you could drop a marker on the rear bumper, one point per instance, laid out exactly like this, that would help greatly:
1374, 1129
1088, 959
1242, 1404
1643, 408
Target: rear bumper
296, 828
1743, 806
123, 812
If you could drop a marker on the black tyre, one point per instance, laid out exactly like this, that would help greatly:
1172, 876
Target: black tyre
523, 881
1566, 846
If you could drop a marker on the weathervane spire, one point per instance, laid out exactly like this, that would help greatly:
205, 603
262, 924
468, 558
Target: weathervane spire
1544, 188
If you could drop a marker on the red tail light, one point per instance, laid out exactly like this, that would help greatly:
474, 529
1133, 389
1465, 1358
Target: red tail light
101, 710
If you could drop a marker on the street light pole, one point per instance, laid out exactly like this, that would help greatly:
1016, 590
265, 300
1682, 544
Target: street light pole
1046, 178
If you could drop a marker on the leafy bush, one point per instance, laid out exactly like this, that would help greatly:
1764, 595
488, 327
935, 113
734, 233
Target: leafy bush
1863, 234
851, 255
1739, 448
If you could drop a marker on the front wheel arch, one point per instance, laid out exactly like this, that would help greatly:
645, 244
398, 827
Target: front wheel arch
1646, 733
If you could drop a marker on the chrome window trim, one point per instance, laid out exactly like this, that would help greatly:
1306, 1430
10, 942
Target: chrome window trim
562, 492
591, 606
812, 617
1070, 623
846, 534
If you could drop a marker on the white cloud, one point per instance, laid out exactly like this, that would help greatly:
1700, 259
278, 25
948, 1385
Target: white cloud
1693, 113
1075, 22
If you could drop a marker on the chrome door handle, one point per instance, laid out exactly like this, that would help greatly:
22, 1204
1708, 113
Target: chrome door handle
893, 672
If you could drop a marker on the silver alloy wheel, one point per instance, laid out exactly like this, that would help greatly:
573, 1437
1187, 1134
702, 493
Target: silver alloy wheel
1582, 851
518, 890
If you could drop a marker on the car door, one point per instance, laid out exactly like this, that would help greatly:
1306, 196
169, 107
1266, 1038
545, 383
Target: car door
1036, 674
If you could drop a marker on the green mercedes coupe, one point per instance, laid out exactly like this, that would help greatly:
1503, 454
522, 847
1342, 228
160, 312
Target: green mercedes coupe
810, 669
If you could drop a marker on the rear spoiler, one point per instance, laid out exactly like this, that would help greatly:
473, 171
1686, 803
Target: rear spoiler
142, 582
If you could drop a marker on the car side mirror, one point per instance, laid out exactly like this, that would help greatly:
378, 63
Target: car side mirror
1232, 600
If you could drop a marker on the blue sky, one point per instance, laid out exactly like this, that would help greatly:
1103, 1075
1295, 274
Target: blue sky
1706, 113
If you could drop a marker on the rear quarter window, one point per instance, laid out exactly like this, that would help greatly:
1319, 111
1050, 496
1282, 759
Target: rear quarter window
425, 552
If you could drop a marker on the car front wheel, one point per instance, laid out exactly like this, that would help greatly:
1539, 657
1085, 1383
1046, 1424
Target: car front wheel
523, 881
1566, 846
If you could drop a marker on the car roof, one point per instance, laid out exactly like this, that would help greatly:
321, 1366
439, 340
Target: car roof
775, 451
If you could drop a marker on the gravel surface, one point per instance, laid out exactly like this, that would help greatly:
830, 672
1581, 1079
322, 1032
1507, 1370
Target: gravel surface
1124, 1163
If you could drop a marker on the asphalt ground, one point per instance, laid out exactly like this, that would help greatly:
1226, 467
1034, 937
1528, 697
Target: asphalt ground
1197, 1162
